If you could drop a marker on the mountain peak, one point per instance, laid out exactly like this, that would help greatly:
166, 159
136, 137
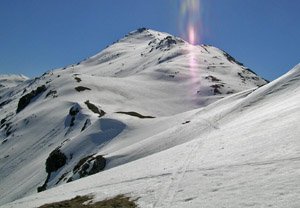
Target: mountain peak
145, 34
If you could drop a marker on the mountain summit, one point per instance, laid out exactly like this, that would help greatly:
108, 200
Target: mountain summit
191, 122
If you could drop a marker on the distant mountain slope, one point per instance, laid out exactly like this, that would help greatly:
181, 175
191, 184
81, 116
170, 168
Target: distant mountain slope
11, 80
7, 82
123, 104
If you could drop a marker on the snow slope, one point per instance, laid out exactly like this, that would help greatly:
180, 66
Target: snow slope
248, 158
7, 82
189, 121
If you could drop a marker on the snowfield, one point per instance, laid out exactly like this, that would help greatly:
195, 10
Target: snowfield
178, 126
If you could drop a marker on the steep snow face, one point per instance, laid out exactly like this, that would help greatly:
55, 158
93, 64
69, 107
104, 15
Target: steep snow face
125, 103
240, 151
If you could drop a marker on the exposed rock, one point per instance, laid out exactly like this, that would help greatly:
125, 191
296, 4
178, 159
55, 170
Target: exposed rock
99, 164
94, 108
56, 160
231, 59
4, 103
131, 113
81, 88
81, 162
53, 93
166, 43
142, 29
77, 79
216, 88
73, 112
86, 123
25, 100
212, 78
89, 165
2, 121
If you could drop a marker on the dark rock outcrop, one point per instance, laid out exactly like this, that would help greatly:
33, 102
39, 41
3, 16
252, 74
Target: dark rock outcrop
73, 112
25, 100
89, 165
56, 160
94, 108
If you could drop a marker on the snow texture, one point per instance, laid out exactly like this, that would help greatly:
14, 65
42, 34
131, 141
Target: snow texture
214, 134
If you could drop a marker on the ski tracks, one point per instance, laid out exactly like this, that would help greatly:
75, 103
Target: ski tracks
171, 186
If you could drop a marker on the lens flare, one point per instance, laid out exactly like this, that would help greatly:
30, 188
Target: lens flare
190, 20
192, 35
190, 29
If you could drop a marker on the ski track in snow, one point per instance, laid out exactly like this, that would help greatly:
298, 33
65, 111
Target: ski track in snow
171, 187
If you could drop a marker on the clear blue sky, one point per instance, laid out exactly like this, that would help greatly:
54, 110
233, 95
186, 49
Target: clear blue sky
39, 35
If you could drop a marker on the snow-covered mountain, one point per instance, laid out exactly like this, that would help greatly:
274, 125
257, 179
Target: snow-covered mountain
9, 81
172, 124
